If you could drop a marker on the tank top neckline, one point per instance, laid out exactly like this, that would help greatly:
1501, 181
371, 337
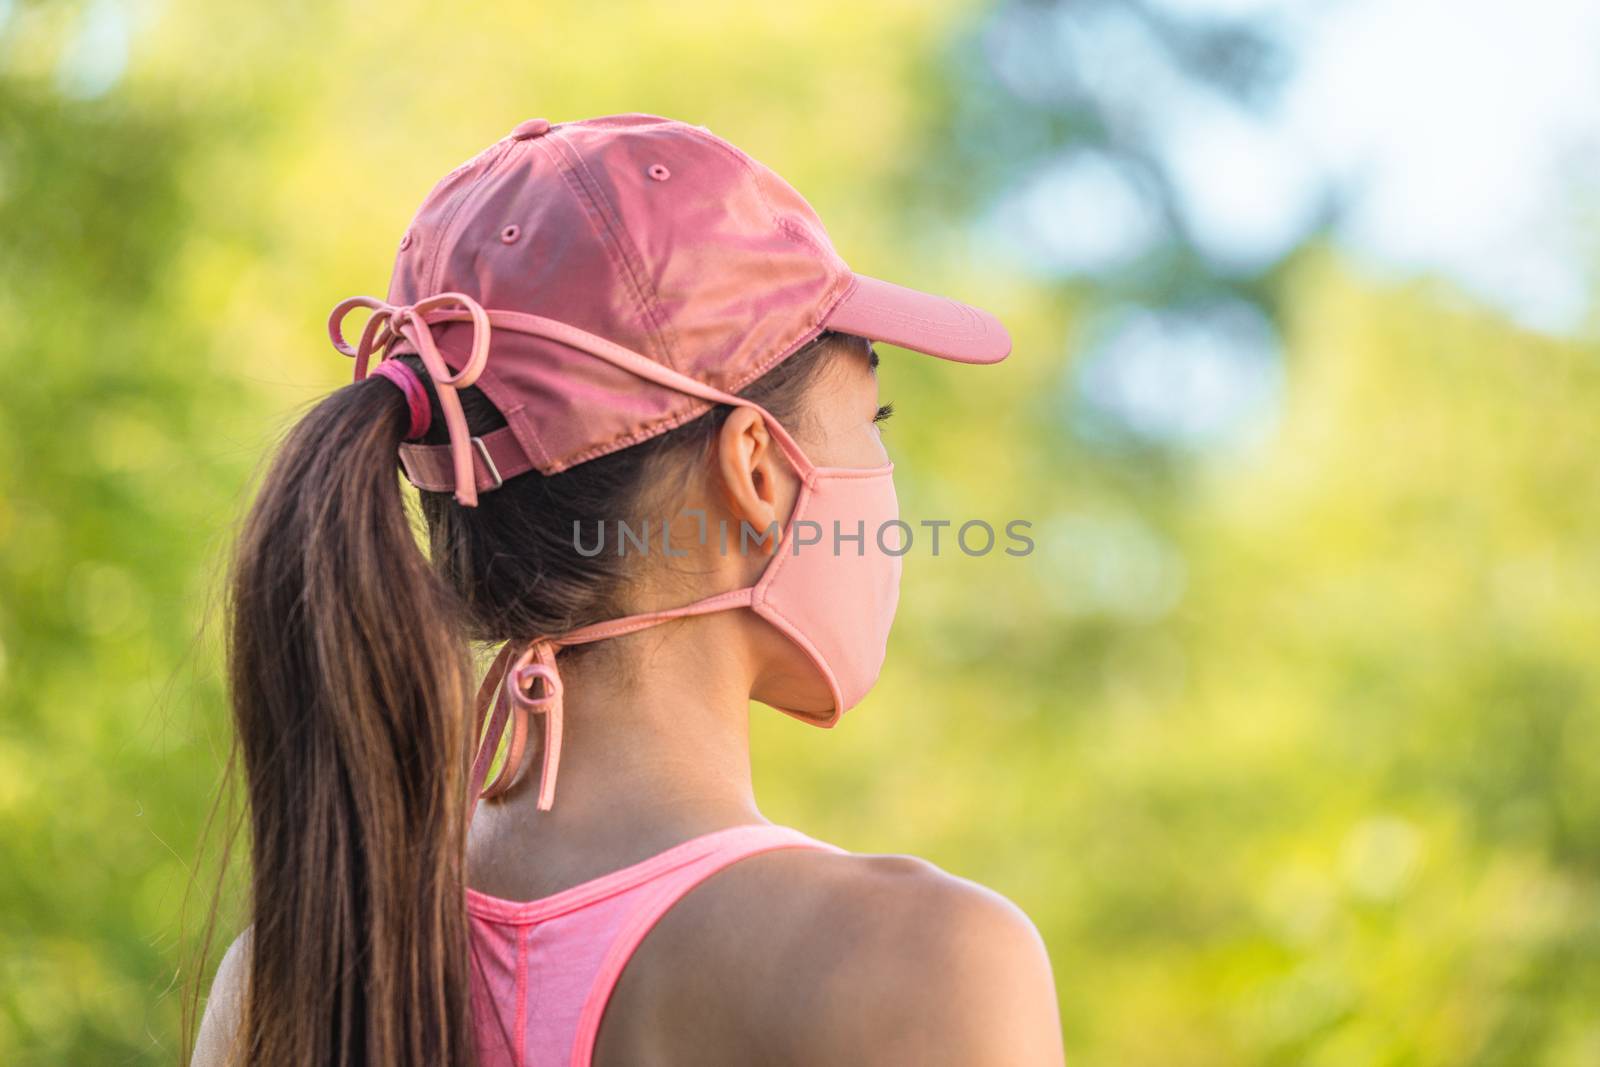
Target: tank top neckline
504, 910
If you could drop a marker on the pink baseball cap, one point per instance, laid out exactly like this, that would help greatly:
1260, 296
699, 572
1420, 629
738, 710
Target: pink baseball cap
652, 234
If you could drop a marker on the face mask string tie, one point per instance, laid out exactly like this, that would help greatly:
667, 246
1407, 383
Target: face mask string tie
531, 684
527, 684
390, 323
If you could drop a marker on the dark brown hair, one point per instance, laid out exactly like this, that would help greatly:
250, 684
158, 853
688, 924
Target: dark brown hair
350, 668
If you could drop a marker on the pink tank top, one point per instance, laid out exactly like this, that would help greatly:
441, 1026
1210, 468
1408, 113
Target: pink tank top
542, 970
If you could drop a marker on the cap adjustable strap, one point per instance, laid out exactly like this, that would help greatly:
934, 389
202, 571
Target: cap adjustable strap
496, 458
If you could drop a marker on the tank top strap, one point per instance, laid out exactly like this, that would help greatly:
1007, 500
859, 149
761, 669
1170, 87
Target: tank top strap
720, 849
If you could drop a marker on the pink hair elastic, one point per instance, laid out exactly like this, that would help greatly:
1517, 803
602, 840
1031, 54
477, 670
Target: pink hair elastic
402, 375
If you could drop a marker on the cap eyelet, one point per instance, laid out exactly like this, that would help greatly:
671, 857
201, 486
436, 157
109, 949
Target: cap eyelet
405, 240
659, 172
510, 234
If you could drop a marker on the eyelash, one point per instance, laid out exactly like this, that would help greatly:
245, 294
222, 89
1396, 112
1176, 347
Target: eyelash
884, 413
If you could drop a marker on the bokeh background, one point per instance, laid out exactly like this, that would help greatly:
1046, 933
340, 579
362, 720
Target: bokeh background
1285, 734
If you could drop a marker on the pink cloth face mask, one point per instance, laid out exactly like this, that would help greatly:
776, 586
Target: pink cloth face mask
831, 587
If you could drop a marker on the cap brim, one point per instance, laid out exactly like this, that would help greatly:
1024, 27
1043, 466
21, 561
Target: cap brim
936, 325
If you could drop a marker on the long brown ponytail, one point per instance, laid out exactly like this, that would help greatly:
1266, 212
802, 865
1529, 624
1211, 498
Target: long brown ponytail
350, 676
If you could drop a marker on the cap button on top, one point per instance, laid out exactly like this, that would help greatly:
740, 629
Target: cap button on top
530, 129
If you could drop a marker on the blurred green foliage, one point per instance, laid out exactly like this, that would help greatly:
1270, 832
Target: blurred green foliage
1289, 750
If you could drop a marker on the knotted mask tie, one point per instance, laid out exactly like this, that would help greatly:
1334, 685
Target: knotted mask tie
391, 323
523, 680
529, 684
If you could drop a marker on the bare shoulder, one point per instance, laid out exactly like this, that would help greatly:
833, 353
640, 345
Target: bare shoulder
927, 967
219, 1026
860, 958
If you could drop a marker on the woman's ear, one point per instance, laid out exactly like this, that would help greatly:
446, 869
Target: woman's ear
754, 475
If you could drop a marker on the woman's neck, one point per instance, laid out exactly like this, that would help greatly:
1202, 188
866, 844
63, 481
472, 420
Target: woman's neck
655, 749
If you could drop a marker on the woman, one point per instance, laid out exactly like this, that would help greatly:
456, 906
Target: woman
593, 329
